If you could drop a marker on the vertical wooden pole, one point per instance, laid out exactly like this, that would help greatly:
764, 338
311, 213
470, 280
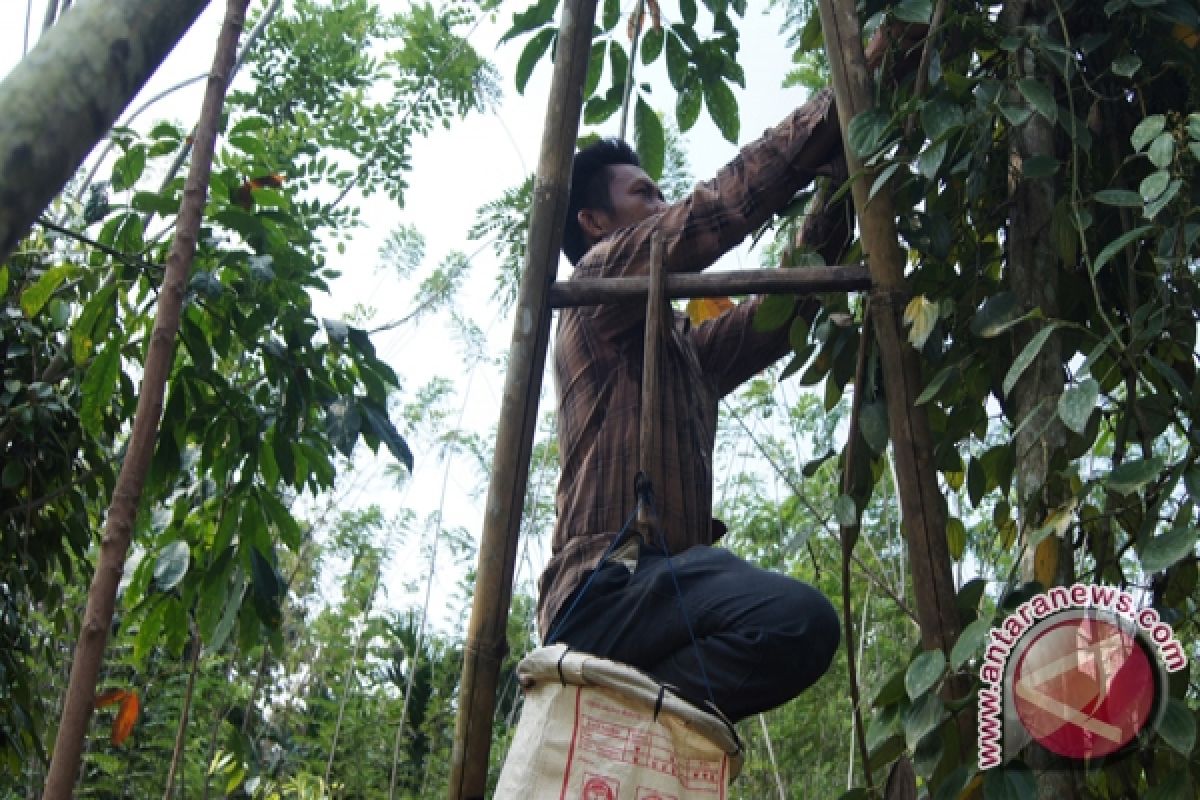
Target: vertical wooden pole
649, 434
486, 631
921, 501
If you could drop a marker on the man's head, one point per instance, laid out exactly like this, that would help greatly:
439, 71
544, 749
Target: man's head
609, 191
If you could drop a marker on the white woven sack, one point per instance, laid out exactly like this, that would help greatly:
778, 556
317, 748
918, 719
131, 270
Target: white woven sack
588, 731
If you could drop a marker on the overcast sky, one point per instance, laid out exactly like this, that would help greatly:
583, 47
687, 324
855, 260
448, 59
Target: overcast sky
455, 172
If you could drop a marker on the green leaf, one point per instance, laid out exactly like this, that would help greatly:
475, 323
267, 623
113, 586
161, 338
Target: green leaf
940, 116
128, 168
1013, 781
1155, 206
936, 384
1191, 480
722, 107
1076, 404
3, 280
970, 642
1178, 727
533, 17
922, 717
873, 422
1175, 784
281, 518
930, 159
1117, 245
1039, 166
1027, 355
844, 511
1119, 197
37, 295
956, 538
1166, 549
1016, 115
1039, 96
924, 672
99, 384
882, 178
1162, 150
233, 604
866, 132
649, 138
611, 14
268, 589
677, 63
534, 49
997, 314
171, 565
687, 107
377, 421
595, 68
1133, 475
652, 45
155, 203
1154, 184
773, 312
687, 9
918, 11
1147, 131
12, 475
1126, 66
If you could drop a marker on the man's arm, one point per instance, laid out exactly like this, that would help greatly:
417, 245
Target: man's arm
729, 347
721, 212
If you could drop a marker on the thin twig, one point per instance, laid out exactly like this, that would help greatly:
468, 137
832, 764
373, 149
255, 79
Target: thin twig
848, 534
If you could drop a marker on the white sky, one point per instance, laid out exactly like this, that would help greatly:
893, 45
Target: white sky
455, 172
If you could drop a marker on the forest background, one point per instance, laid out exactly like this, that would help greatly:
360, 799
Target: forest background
291, 595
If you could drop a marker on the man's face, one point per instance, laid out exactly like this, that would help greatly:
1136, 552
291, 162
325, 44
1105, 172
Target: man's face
634, 198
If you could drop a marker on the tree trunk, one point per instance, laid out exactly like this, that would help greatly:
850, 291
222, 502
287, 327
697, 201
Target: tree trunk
486, 633
65, 95
89, 652
1033, 271
921, 502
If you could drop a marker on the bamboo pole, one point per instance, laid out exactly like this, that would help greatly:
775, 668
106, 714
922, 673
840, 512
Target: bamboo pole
63, 97
924, 515
118, 530
649, 434
486, 632
717, 283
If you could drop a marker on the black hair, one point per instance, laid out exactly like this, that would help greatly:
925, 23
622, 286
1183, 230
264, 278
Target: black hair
589, 188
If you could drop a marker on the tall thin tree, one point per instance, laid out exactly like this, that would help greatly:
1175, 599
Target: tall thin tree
114, 547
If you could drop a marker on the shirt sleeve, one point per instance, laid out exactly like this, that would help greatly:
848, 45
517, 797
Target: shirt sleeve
719, 213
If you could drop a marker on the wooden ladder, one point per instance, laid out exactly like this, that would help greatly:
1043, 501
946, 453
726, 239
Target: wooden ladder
538, 295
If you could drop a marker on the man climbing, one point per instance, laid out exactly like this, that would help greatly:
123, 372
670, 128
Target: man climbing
757, 638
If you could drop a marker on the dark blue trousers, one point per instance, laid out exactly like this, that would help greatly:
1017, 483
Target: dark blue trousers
763, 637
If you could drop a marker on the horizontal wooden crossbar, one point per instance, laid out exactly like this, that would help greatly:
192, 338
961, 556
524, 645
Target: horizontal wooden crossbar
808, 280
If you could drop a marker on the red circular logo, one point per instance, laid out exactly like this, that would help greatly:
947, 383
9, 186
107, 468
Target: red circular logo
1084, 687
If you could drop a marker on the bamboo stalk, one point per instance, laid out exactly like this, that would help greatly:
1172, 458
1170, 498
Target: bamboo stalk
649, 434
592, 291
921, 501
63, 97
101, 601
486, 633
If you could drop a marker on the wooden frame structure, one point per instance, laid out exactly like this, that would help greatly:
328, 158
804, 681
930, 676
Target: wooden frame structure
920, 498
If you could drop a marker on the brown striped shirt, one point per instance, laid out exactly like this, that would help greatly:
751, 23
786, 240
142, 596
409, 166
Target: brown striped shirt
598, 358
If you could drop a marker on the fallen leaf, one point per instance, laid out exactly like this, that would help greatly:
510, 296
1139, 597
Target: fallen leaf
702, 309
1189, 36
110, 697
920, 315
127, 716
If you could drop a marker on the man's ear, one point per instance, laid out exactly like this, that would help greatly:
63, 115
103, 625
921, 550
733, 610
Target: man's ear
591, 223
